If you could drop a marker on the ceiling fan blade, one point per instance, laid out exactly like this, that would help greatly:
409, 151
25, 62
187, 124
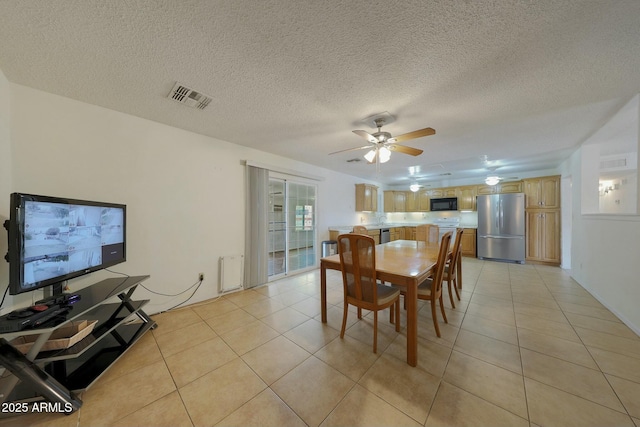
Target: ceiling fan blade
366, 135
413, 135
352, 149
405, 150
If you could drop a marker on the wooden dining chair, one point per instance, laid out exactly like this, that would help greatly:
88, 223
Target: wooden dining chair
361, 289
452, 268
359, 229
427, 233
431, 289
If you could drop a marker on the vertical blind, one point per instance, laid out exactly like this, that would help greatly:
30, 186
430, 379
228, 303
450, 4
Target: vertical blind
256, 262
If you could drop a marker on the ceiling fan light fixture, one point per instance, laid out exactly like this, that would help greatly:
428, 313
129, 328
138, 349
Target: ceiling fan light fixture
370, 156
414, 187
385, 154
492, 180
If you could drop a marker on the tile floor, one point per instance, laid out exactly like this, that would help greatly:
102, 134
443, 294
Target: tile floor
526, 346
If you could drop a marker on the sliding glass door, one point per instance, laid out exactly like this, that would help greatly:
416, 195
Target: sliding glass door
291, 243
277, 238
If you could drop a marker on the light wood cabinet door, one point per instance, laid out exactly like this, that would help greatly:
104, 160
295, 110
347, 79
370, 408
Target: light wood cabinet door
411, 201
501, 188
389, 201
542, 193
400, 198
435, 193
543, 236
374, 198
375, 234
450, 192
401, 231
395, 201
409, 233
394, 233
424, 201
467, 198
468, 242
510, 187
485, 189
366, 198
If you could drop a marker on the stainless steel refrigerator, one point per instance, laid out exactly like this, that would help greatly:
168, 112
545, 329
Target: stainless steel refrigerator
501, 227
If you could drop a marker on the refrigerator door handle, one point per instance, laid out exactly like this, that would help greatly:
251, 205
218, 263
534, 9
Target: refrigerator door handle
501, 237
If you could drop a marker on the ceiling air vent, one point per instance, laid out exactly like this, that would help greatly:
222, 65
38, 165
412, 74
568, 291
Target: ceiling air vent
618, 162
189, 97
615, 163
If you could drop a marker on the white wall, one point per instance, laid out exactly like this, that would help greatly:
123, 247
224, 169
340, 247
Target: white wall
185, 193
605, 250
5, 175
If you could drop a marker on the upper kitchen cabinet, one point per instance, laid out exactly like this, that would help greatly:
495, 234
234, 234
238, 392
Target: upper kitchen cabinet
467, 197
542, 193
412, 202
366, 198
437, 193
501, 188
395, 201
424, 201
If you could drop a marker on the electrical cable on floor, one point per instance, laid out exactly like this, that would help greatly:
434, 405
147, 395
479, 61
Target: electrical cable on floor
173, 295
196, 284
190, 296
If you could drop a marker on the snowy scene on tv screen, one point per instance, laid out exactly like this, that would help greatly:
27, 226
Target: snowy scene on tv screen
60, 239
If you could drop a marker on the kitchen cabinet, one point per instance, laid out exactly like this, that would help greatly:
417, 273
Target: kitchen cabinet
394, 233
395, 201
500, 188
542, 193
409, 233
543, 235
424, 201
468, 242
411, 203
375, 234
542, 209
442, 192
467, 197
366, 198
435, 193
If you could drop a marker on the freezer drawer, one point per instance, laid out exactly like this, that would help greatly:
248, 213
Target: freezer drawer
507, 248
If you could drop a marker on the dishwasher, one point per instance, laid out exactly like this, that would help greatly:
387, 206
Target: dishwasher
385, 235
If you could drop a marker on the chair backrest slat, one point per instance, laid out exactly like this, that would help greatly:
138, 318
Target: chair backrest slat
443, 252
358, 262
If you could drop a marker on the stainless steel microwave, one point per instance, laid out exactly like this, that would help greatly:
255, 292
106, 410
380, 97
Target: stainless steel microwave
444, 204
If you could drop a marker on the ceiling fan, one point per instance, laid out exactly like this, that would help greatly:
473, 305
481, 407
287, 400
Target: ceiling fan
493, 179
381, 144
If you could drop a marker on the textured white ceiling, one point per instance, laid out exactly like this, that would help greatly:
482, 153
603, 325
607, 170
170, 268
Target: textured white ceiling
523, 83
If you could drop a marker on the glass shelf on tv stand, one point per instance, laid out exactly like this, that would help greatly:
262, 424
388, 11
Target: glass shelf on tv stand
119, 325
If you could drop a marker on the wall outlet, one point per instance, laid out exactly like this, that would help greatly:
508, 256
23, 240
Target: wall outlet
201, 277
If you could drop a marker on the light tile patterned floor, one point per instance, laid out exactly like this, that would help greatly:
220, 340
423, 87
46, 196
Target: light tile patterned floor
526, 346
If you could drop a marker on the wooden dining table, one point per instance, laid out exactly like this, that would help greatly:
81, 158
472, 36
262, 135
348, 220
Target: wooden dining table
401, 262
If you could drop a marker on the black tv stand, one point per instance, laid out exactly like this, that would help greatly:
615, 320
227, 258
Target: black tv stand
58, 374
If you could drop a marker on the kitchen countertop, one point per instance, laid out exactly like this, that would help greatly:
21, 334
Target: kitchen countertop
349, 228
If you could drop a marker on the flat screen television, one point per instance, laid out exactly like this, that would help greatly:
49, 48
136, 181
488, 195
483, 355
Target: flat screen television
53, 239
